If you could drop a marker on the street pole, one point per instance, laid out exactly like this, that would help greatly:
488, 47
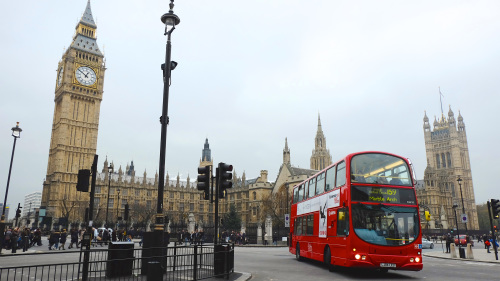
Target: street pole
88, 234
29, 215
170, 20
110, 171
493, 236
117, 209
16, 133
463, 206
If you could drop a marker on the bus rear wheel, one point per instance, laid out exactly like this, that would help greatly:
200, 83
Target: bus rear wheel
297, 253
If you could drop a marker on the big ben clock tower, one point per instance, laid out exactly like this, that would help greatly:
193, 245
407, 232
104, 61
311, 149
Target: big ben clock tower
78, 95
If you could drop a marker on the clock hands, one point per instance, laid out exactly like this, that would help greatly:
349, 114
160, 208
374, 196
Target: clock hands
86, 75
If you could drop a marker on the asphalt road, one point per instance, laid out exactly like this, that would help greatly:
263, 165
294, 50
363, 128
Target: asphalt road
276, 263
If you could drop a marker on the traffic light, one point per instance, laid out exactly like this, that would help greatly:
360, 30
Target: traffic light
204, 176
126, 212
495, 208
18, 211
225, 177
83, 181
495, 228
427, 216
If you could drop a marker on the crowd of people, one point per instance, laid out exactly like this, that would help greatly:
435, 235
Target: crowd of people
196, 237
24, 238
239, 238
21, 238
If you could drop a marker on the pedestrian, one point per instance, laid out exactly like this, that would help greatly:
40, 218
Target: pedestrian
487, 244
62, 239
57, 236
74, 238
449, 240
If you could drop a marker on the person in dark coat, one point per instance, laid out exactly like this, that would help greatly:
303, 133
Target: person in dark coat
449, 240
74, 238
62, 239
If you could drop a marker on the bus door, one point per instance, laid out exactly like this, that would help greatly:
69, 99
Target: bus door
341, 231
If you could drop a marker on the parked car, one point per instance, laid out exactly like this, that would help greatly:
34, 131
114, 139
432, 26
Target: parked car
426, 244
463, 240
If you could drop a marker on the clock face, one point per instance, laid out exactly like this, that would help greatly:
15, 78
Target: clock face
85, 75
60, 76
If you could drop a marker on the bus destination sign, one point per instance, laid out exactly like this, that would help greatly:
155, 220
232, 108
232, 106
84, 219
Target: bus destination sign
383, 195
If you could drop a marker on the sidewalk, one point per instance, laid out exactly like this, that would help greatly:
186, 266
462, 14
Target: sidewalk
479, 253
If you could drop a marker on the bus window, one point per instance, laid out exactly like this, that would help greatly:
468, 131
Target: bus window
310, 225
296, 195
340, 174
320, 185
306, 195
304, 225
330, 179
298, 226
312, 187
343, 222
300, 195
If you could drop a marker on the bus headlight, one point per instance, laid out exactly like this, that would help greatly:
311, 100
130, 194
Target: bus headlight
357, 256
363, 258
417, 259
411, 260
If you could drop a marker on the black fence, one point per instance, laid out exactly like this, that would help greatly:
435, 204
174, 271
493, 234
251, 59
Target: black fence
126, 261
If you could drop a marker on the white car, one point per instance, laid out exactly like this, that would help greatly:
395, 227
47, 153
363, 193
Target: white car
426, 244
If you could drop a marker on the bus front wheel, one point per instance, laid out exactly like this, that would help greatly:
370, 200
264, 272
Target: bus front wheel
327, 259
297, 253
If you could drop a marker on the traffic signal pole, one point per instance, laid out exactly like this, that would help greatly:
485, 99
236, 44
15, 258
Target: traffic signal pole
492, 229
216, 206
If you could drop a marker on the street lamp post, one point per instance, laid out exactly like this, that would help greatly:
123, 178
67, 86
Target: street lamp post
16, 133
29, 215
110, 171
117, 209
170, 20
462, 255
459, 180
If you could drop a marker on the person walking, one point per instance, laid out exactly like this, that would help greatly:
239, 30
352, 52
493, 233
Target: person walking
449, 240
74, 238
62, 239
487, 244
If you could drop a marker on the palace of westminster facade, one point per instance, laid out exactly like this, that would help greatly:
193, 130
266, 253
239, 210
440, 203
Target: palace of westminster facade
78, 96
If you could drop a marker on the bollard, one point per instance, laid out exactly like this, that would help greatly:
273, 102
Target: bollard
154, 271
470, 255
453, 253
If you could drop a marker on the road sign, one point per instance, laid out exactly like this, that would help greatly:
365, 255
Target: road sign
464, 218
287, 220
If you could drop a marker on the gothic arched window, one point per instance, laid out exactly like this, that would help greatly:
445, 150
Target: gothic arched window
444, 160
449, 159
438, 163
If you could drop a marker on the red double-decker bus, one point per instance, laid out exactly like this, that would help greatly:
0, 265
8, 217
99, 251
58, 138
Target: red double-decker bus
359, 212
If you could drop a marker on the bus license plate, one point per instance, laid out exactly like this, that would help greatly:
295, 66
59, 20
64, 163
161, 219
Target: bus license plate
387, 265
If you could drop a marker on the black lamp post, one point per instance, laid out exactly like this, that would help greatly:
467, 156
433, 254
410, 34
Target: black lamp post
117, 209
459, 180
455, 206
170, 20
16, 133
110, 171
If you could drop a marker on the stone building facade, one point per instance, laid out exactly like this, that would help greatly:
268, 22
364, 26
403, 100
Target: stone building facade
447, 159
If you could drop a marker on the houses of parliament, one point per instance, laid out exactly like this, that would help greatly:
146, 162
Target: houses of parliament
78, 95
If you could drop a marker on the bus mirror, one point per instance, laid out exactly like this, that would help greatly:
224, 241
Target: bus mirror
341, 215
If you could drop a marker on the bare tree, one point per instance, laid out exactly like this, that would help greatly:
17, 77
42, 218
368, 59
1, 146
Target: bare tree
276, 205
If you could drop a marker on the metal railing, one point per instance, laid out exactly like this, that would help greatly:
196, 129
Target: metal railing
196, 262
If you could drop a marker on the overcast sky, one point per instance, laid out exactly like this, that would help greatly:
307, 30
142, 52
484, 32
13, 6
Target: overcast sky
252, 73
